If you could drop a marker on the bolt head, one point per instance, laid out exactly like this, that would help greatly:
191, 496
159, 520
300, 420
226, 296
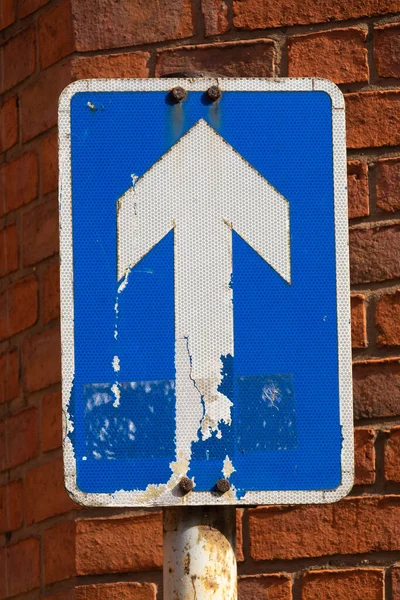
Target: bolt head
178, 94
213, 93
186, 485
223, 486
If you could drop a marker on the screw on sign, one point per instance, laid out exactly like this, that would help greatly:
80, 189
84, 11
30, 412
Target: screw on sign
216, 262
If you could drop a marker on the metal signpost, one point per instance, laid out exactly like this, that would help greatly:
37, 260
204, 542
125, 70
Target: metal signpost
205, 306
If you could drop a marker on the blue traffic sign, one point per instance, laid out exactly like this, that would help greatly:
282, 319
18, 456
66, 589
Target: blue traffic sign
205, 292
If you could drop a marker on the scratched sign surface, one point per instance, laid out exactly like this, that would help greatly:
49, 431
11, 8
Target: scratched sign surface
204, 282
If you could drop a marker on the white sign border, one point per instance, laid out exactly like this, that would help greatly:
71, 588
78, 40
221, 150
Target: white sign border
163, 495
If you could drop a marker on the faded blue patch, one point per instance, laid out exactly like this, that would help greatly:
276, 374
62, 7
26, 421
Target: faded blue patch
267, 417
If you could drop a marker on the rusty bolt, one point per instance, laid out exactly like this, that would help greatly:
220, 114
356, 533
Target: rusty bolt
186, 485
213, 93
223, 485
178, 94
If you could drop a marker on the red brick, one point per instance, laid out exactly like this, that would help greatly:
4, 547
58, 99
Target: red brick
273, 587
231, 59
357, 185
51, 293
357, 584
9, 375
41, 360
40, 233
3, 573
339, 55
3, 447
239, 535
376, 388
387, 319
373, 119
21, 307
374, 254
51, 422
364, 456
45, 494
215, 15
9, 247
18, 54
55, 34
134, 64
392, 456
345, 527
256, 14
11, 506
112, 591
388, 184
39, 101
387, 50
26, 7
7, 13
119, 545
49, 163
396, 583
20, 182
59, 552
23, 572
104, 25
358, 321
22, 436
8, 124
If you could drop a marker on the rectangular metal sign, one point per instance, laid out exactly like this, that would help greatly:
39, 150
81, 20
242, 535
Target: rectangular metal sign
205, 292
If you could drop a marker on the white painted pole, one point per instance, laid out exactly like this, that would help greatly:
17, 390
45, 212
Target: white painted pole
200, 553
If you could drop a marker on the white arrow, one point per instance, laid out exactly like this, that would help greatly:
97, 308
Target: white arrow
203, 189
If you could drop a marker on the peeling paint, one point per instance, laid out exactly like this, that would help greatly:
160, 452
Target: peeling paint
117, 394
116, 364
228, 468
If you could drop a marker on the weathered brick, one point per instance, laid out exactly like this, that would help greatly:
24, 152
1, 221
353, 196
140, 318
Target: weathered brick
339, 55
253, 14
23, 571
11, 506
323, 530
387, 50
51, 422
22, 436
39, 101
55, 34
376, 388
9, 246
374, 254
396, 583
364, 456
373, 119
7, 13
8, 124
19, 56
41, 360
215, 15
112, 591
358, 321
387, 319
49, 163
51, 293
357, 584
44, 492
3, 447
3, 573
26, 7
388, 184
239, 535
40, 232
357, 185
104, 25
273, 587
134, 64
392, 455
21, 307
127, 545
19, 182
9, 376
231, 59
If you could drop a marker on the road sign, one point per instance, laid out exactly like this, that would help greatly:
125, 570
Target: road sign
205, 292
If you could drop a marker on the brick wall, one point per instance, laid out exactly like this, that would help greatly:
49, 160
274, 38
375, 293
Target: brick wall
48, 546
